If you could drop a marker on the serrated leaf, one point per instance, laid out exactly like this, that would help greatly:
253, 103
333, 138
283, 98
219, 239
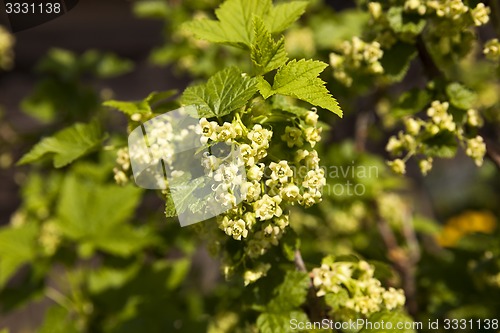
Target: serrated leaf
17, 247
183, 194
283, 15
224, 92
460, 96
129, 108
291, 293
144, 107
66, 145
394, 317
300, 79
280, 322
234, 25
266, 54
169, 206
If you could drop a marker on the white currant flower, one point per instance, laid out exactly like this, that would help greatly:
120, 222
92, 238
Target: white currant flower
226, 133
268, 207
236, 229
207, 130
248, 154
293, 137
480, 14
255, 274
312, 160
314, 179
250, 191
398, 166
282, 222
476, 148
281, 171
290, 192
313, 135
311, 118
250, 219
256, 172
259, 136
300, 155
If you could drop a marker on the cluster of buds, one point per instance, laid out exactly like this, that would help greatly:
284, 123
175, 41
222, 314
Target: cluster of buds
356, 56
366, 293
492, 49
417, 131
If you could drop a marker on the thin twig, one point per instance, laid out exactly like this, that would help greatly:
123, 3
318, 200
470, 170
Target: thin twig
404, 262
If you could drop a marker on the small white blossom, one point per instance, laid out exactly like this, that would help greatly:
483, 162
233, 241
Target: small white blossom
268, 207
293, 137
281, 171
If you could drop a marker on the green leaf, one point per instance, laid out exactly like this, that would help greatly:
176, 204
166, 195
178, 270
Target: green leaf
224, 92
110, 277
300, 79
441, 145
266, 54
394, 317
144, 107
95, 215
337, 300
170, 210
180, 269
291, 293
58, 320
411, 102
283, 15
280, 322
183, 193
234, 25
17, 247
409, 25
396, 61
105, 65
460, 96
67, 145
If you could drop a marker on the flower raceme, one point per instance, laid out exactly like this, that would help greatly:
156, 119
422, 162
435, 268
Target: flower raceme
275, 177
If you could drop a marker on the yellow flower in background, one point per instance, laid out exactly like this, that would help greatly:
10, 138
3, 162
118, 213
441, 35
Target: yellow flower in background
466, 223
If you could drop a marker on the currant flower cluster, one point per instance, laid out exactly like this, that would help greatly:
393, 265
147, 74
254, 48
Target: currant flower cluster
492, 49
456, 10
122, 169
356, 56
367, 295
6, 45
450, 23
271, 182
440, 121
